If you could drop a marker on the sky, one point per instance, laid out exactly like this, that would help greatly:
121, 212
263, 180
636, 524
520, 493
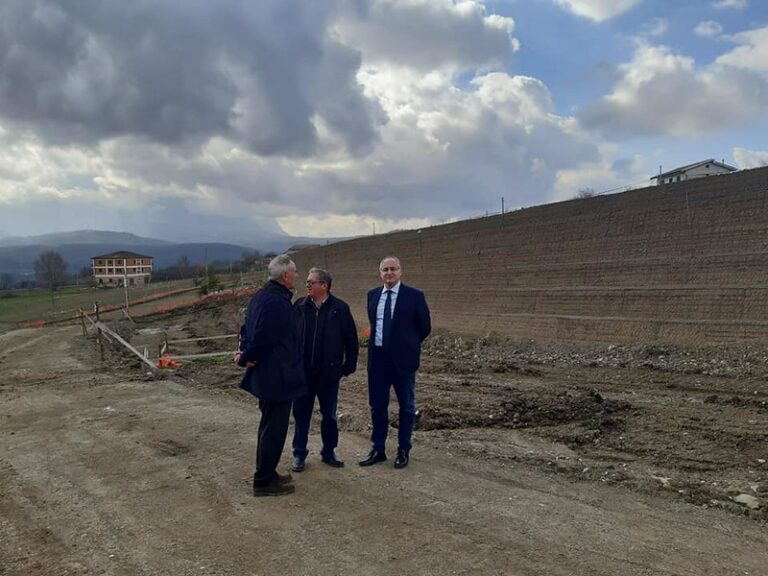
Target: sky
228, 120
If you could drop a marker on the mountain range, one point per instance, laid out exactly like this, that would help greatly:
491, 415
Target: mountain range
18, 254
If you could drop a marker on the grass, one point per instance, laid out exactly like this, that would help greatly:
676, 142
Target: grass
33, 305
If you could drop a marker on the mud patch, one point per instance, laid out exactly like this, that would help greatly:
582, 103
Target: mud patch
526, 411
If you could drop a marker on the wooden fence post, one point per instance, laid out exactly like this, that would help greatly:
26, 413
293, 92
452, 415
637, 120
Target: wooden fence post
96, 310
100, 340
82, 321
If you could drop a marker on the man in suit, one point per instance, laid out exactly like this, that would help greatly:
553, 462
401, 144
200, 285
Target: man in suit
329, 337
271, 351
399, 319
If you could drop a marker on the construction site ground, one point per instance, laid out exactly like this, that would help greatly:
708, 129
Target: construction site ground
526, 461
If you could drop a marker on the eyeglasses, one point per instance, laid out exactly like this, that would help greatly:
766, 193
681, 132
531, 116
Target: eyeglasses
310, 282
390, 269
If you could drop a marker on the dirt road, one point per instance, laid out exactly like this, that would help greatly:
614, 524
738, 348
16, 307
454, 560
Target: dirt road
106, 471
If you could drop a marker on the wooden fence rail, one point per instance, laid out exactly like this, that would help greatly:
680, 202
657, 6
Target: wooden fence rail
103, 332
203, 338
102, 329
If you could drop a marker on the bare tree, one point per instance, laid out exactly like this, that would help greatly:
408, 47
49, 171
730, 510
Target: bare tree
585, 193
50, 270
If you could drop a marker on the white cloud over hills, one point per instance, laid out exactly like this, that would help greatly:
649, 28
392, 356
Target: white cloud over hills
221, 120
342, 114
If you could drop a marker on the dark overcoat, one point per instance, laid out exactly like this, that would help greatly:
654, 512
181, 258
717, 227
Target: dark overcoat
270, 340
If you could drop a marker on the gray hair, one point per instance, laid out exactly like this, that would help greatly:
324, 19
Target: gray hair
322, 276
395, 258
280, 265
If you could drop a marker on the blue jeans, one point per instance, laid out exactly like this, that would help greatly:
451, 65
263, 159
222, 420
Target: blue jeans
381, 377
328, 397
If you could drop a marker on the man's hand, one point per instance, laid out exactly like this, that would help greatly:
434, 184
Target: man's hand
238, 354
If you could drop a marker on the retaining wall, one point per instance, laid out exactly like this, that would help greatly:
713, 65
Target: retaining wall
684, 263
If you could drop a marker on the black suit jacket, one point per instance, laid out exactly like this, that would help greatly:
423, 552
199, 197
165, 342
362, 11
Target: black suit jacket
411, 324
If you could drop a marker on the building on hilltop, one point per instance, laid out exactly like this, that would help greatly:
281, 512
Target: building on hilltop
118, 268
709, 167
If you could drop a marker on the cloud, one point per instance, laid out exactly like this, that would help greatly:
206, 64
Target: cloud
396, 33
708, 29
225, 120
646, 99
603, 176
445, 152
656, 27
752, 55
725, 4
181, 72
750, 158
598, 10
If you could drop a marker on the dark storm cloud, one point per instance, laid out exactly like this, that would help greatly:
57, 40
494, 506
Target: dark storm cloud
181, 71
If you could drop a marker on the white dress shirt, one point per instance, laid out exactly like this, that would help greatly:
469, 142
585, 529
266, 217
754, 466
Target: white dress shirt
378, 337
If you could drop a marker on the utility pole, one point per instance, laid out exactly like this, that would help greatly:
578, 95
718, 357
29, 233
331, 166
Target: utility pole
502, 204
125, 289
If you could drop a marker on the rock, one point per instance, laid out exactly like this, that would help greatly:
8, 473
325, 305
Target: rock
663, 479
747, 500
760, 488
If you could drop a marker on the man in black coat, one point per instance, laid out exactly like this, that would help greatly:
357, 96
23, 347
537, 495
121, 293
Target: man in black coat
329, 337
271, 351
400, 321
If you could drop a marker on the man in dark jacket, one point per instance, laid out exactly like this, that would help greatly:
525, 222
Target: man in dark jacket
270, 349
329, 336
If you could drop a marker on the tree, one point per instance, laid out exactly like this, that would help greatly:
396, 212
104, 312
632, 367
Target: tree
50, 270
586, 193
209, 281
6, 281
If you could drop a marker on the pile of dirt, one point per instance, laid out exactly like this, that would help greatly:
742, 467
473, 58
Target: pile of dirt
520, 410
493, 353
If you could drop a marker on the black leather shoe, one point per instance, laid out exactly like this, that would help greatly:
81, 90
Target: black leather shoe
374, 457
402, 459
333, 461
275, 489
298, 464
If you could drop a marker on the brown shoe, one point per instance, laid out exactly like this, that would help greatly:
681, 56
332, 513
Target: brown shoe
284, 478
277, 489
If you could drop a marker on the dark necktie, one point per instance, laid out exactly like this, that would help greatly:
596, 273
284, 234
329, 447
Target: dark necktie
387, 324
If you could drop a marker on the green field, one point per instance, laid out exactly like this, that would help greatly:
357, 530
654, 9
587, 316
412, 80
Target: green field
33, 305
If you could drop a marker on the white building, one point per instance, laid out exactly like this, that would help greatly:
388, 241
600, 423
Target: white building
116, 268
709, 167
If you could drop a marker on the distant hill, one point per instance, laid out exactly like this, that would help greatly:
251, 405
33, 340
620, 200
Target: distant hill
17, 254
124, 239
